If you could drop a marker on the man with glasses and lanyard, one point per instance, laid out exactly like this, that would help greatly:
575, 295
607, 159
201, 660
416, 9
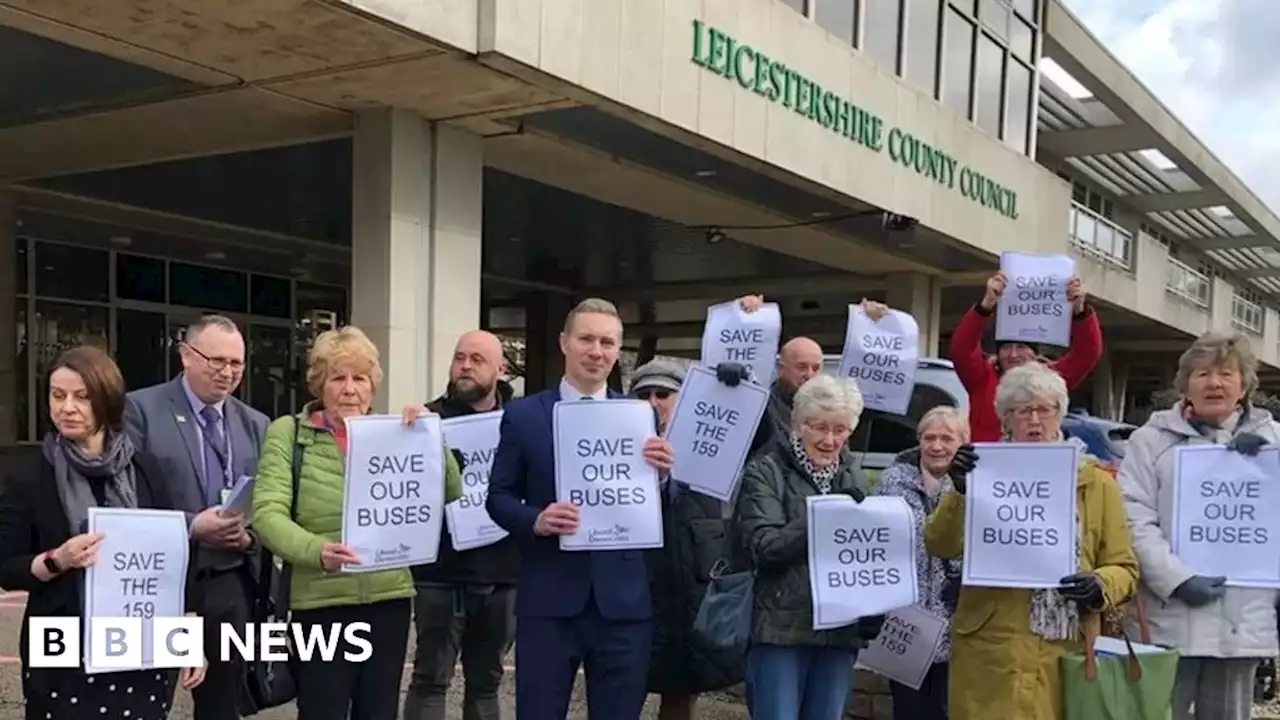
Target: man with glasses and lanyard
206, 440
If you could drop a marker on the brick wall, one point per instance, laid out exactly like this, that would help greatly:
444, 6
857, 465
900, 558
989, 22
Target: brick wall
870, 699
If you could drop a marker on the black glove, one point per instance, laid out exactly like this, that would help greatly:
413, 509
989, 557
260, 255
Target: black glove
1246, 443
869, 627
1085, 589
961, 465
731, 373
1200, 590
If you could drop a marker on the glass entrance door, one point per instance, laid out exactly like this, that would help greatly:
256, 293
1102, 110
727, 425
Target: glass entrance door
267, 378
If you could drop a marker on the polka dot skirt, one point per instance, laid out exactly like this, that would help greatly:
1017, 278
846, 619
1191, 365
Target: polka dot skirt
69, 694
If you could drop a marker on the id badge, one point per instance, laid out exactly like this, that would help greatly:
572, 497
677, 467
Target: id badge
224, 494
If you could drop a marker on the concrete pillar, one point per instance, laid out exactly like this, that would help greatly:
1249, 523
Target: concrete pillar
1220, 294
921, 296
416, 239
1103, 397
9, 372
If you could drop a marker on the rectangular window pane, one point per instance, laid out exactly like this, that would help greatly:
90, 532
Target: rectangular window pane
1027, 9
797, 4
880, 32
922, 43
139, 278
836, 17
1021, 39
957, 62
1079, 193
142, 345
995, 15
969, 7
208, 288
75, 273
990, 81
20, 264
270, 296
1017, 129
59, 327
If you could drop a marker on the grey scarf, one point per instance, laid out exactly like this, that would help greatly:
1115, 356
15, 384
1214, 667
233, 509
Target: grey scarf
1053, 617
74, 471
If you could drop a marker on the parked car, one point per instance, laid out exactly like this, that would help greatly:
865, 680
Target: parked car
1106, 439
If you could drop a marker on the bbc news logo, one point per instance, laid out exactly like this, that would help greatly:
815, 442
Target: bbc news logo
117, 643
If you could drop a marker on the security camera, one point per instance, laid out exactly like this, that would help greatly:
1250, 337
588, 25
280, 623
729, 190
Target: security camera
893, 222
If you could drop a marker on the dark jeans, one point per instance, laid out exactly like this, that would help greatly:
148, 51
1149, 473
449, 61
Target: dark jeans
369, 690
927, 703
226, 597
474, 621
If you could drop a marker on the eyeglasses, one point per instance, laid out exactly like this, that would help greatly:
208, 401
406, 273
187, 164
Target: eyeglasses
824, 429
660, 394
217, 364
1025, 412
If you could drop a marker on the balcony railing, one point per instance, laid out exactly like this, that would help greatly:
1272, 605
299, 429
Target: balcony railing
1097, 236
1246, 314
1188, 283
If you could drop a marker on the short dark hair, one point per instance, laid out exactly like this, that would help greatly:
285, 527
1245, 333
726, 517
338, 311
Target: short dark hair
222, 322
101, 378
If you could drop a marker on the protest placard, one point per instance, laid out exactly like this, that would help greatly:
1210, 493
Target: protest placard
601, 469
141, 572
906, 647
711, 430
731, 335
1020, 515
393, 503
881, 357
1034, 307
862, 559
476, 437
1226, 514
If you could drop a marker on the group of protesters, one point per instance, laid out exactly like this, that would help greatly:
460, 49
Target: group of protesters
626, 616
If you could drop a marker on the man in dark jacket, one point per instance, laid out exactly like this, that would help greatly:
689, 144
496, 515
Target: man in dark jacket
466, 600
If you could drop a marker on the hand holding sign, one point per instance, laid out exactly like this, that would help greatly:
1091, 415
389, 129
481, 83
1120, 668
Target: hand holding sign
333, 555
558, 518
962, 464
1075, 294
750, 303
657, 452
80, 551
995, 288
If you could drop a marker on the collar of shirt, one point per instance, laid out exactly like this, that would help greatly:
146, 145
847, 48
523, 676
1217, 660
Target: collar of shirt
198, 405
569, 392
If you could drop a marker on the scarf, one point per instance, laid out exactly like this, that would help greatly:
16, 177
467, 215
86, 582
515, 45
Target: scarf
76, 474
821, 477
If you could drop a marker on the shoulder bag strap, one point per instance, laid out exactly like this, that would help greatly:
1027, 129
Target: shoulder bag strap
273, 598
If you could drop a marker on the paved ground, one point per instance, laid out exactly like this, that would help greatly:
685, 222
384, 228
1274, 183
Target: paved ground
11, 692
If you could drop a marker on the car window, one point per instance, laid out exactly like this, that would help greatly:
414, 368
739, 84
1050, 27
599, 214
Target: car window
880, 432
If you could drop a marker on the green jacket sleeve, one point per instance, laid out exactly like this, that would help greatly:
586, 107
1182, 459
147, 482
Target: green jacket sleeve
452, 477
944, 528
272, 496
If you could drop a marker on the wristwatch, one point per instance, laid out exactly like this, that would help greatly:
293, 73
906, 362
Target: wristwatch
52, 565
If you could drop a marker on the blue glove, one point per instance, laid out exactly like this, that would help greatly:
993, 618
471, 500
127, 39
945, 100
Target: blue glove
1200, 590
731, 373
1246, 443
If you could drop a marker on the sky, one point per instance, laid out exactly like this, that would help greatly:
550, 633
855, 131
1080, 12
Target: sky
1214, 63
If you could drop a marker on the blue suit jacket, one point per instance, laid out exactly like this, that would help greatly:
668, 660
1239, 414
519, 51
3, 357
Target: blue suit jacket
554, 583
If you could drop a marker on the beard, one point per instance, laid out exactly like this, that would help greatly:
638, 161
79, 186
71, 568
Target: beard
469, 390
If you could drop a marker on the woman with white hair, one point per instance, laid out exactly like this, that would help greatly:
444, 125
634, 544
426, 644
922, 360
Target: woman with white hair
793, 671
1221, 633
1006, 642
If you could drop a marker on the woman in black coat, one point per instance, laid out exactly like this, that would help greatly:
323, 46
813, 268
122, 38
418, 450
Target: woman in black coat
87, 461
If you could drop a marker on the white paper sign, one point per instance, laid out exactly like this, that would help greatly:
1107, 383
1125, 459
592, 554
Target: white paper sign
907, 646
393, 503
601, 469
881, 357
711, 431
476, 437
239, 499
731, 335
141, 572
1034, 307
1020, 515
1226, 514
862, 559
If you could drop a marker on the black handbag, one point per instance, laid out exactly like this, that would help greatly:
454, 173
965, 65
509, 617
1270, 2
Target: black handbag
269, 683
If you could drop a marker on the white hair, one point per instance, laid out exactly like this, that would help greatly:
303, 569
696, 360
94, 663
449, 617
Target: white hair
1027, 382
947, 415
827, 394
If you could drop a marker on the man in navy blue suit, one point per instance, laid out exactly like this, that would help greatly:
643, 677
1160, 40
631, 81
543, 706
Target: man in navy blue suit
574, 608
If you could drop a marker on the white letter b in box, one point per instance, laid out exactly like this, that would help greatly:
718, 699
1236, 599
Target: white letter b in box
115, 643
54, 642
177, 642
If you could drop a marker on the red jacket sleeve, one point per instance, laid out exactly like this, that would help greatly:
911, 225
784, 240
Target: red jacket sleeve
1085, 350
972, 365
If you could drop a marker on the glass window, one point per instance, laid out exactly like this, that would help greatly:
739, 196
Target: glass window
880, 32
20, 264
21, 376
995, 15
1027, 9
797, 4
1017, 128
270, 296
139, 278
922, 44
969, 7
142, 345
957, 63
1021, 39
990, 82
74, 273
319, 308
268, 378
58, 327
208, 288
836, 17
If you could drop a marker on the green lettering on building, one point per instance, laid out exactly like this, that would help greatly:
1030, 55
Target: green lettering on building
720, 53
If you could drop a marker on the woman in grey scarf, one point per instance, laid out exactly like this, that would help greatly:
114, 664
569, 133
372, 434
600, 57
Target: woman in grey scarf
86, 461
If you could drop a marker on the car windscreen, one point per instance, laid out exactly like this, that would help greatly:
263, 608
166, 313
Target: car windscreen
881, 432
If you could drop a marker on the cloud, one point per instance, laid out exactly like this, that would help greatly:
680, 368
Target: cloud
1212, 62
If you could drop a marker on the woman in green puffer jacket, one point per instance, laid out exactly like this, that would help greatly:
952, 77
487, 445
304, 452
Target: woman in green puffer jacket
344, 373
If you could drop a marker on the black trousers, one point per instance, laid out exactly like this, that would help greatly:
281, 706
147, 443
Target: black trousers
474, 621
369, 690
226, 600
927, 703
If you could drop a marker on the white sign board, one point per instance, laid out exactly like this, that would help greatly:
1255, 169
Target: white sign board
476, 437
711, 431
1020, 515
393, 503
141, 572
881, 357
907, 646
1226, 514
731, 335
1034, 307
601, 469
862, 559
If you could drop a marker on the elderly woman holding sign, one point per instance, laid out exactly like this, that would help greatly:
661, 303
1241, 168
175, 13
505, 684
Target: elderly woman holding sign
1006, 642
793, 671
297, 510
1221, 633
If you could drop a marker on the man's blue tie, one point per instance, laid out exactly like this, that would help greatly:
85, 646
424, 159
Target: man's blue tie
215, 456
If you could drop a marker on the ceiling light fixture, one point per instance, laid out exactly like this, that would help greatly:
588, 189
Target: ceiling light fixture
705, 173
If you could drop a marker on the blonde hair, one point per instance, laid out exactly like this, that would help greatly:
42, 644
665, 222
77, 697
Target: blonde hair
1215, 349
599, 306
347, 346
951, 416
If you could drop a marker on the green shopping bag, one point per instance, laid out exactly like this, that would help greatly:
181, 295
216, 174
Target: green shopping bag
1136, 686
